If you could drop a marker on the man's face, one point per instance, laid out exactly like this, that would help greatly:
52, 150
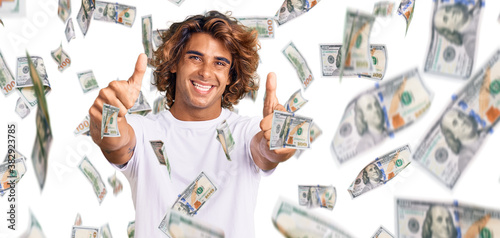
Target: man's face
202, 73
451, 17
373, 173
110, 8
461, 125
440, 223
298, 5
372, 112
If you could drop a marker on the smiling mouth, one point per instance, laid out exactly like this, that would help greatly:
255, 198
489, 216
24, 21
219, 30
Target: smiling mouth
202, 88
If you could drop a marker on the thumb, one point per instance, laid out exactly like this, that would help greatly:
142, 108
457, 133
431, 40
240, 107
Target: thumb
135, 81
271, 101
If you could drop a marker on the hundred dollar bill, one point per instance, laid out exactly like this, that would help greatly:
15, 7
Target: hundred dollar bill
7, 82
147, 42
356, 53
380, 112
296, 222
83, 127
157, 40
34, 230
290, 131
131, 229
24, 81
64, 9
84, 232
317, 196
417, 219
161, 154
379, 58
61, 57
291, 9
11, 154
70, 30
114, 12
106, 231
314, 133
109, 123
78, 220
383, 9
177, 2
87, 81
22, 109
94, 178
263, 25
178, 225
453, 140
195, 195
299, 63
225, 137
382, 233
115, 184
141, 106
295, 102
453, 42
380, 171
252, 94
11, 172
159, 105
84, 16
405, 9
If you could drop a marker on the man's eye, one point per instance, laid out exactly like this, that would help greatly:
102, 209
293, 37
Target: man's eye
194, 57
221, 63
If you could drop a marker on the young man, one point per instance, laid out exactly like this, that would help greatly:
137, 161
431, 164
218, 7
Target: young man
205, 65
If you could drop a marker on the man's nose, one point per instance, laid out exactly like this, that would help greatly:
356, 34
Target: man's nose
205, 70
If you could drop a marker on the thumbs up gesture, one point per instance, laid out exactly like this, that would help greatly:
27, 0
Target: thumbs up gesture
121, 94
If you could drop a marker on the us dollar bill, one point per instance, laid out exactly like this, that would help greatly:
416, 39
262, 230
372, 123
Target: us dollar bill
161, 154
131, 229
380, 112
11, 172
290, 131
141, 106
383, 9
84, 232
94, 178
34, 229
195, 195
299, 63
83, 127
22, 109
294, 221
317, 196
24, 81
454, 139
178, 225
292, 9
157, 40
263, 25
147, 35
61, 57
453, 43
382, 233
84, 16
106, 231
295, 102
225, 137
78, 220
109, 123
416, 218
114, 12
70, 30
314, 133
379, 60
87, 81
356, 41
7, 82
159, 104
115, 183
64, 10
380, 171
405, 9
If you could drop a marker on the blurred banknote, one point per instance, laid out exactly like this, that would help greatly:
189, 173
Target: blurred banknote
84, 16
295, 102
109, 123
380, 112
379, 60
225, 138
114, 12
131, 229
195, 195
252, 94
263, 25
24, 81
7, 82
453, 140
453, 42
78, 220
317, 196
106, 231
314, 133
382, 233
290, 131
11, 172
297, 222
141, 106
157, 40
21, 108
178, 225
445, 219
380, 171
34, 230
291, 9
70, 30
94, 178
13, 8
84, 127
147, 35
64, 9
61, 57
299, 63
177, 2
161, 154
87, 81
84, 232
159, 105
115, 184
356, 57
383, 9
405, 9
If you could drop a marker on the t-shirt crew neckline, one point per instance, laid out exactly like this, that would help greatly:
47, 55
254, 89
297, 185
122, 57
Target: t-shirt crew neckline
197, 124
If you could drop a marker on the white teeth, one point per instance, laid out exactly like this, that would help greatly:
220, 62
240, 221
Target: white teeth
202, 87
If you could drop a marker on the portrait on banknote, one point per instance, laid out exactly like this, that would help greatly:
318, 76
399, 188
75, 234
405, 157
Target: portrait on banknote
109, 12
372, 177
369, 120
438, 223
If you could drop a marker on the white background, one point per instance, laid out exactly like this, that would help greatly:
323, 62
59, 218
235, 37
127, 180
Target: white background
111, 50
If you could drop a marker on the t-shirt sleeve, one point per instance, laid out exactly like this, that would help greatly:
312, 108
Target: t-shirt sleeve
252, 129
129, 169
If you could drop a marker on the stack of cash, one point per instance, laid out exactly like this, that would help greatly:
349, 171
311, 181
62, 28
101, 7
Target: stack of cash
405, 9
292, 9
225, 137
161, 154
179, 225
109, 123
94, 178
317, 196
299, 63
290, 131
189, 202
263, 25
114, 12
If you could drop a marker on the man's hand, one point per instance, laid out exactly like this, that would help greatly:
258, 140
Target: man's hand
268, 159
121, 94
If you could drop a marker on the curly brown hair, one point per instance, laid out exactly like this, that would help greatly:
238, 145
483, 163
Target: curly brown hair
241, 42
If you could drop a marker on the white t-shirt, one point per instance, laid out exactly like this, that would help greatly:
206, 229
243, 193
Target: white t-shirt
192, 148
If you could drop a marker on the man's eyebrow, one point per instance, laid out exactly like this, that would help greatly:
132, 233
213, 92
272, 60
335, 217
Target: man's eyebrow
223, 59
194, 52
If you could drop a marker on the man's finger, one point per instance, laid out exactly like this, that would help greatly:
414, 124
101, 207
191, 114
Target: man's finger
271, 100
140, 68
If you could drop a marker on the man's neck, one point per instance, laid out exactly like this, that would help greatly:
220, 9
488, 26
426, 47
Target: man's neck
193, 114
